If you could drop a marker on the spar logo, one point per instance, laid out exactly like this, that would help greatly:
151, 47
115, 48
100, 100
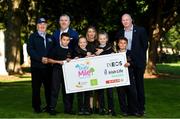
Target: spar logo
84, 70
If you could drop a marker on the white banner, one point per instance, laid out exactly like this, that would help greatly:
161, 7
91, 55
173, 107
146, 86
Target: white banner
97, 72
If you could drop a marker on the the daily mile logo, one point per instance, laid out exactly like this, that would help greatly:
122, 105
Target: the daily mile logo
86, 71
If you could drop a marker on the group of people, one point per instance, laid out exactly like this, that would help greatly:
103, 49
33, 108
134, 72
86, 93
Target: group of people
48, 53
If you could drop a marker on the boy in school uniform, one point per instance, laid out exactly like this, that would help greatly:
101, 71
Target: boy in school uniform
127, 95
59, 54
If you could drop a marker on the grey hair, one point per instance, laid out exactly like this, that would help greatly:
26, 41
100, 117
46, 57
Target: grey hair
64, 15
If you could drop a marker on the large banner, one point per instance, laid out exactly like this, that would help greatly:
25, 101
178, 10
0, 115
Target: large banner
97, 72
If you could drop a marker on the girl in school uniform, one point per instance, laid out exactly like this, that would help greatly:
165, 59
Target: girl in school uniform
83, 97
105, 48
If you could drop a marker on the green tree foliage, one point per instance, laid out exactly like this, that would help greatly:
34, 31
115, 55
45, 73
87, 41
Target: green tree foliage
172, 39
157, 16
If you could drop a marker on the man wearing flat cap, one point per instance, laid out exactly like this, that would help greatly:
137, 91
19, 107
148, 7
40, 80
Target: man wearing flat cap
39, 45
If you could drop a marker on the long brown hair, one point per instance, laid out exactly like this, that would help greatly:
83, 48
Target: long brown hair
93, 28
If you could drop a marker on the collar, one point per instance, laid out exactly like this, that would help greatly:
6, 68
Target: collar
122, 51
64, 31
131, 29
63, 46
102, 46
41, 33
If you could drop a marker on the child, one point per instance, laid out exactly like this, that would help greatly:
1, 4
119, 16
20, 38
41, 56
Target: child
83, 97
82, 50
103, 49
127, 95
60, 53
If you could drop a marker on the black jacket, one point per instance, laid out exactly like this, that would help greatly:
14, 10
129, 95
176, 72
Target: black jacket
139, 45
80, 52
106, 50
37, 50
59, 53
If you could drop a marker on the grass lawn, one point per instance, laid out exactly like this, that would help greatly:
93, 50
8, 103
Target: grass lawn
162, 97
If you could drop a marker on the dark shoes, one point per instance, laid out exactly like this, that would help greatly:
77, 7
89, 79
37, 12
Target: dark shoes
84, 112
52, 111
96, 110
37, 110
87, 113
141, 113
125, 114
81, 111
69, 112
91, 110
102, 111
137, 114
46, 109
110, 112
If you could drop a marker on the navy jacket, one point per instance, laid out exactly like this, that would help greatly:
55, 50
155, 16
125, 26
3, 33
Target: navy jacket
73, 37
37, 50
139, 45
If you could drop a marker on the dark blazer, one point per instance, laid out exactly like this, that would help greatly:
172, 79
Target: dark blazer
139, 45
59, 53
106, 50
80, 52
37, 50
73, 37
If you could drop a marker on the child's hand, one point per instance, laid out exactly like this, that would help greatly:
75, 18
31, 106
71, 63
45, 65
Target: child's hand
93, 55
76, 58
127, 64
88, 54
60, 62
99, 51
68, 59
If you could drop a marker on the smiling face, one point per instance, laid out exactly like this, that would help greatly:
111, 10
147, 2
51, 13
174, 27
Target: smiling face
126, 21
41, 27
82, 43
122, 44
64, 22
91, 34
65, 41
103, 39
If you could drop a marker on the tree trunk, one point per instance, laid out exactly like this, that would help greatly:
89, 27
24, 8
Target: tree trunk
152, 52
155, 35
13, 42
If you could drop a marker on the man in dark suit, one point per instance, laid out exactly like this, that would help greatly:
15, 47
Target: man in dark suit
64, 22
39, 45
137, 44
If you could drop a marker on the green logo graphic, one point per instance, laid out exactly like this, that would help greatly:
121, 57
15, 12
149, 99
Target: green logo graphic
94, 82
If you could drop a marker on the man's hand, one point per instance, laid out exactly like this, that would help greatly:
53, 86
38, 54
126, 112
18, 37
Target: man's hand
44, 60
60, 62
